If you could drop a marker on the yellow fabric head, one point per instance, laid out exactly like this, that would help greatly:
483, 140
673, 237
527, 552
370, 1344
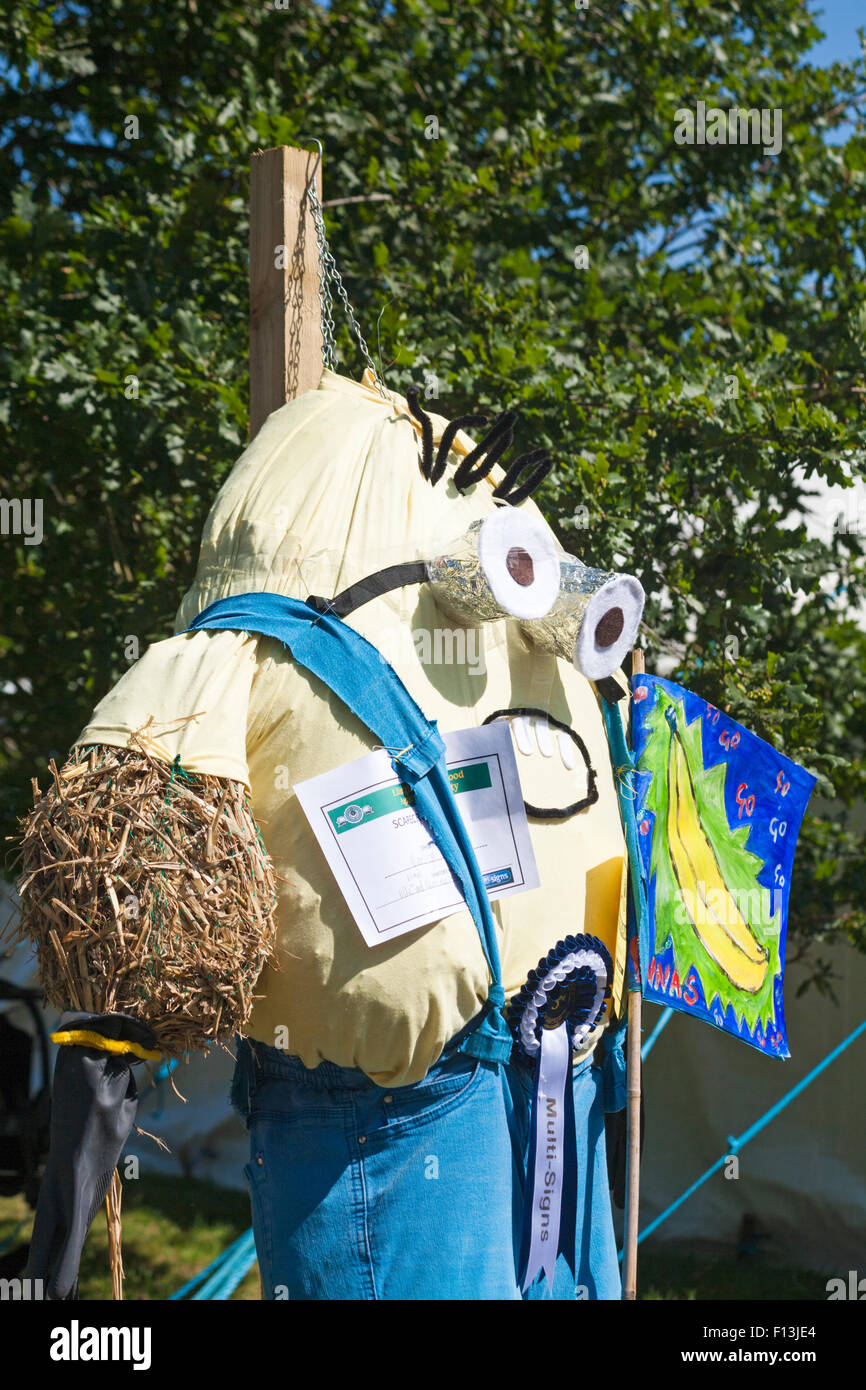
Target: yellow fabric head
329, 492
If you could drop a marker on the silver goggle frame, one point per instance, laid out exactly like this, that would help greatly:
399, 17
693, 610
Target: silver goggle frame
508, 566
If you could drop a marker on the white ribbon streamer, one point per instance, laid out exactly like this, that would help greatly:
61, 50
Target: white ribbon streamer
547, 1164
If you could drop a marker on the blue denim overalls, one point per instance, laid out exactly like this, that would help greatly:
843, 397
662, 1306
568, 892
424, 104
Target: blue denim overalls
415, 1192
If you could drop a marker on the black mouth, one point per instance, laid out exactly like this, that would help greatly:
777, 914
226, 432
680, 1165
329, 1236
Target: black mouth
555, 812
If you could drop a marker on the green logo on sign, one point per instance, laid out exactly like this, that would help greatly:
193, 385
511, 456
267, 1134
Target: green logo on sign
469, 777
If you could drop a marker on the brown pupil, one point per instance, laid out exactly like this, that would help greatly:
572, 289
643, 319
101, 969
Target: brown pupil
519, 564
609, 627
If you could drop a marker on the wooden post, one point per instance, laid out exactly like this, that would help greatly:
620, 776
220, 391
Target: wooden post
633, 1064
285, 315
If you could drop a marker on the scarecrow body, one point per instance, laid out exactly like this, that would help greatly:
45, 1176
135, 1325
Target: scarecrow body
385, 1162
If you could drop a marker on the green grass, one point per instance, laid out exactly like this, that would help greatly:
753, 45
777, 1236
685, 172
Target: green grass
174, 1227
668, 1275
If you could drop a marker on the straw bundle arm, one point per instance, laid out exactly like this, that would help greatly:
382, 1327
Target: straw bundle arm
148, 892
150, 899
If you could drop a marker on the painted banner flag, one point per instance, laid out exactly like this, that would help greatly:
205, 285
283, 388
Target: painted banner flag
718, 813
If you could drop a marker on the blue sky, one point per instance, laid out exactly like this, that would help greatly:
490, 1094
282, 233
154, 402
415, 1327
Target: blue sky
840, 19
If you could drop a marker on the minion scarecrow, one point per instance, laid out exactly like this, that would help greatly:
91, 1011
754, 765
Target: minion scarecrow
372, 582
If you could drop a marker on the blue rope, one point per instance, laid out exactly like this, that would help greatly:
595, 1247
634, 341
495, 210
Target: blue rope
165, 1071
240, 1259
153, 1083
734, 1145
219, 1263
662, 1024
222, 1291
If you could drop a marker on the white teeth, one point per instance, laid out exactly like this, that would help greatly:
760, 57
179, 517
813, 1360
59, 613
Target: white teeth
545, 742
520, 726
522, 729
567, 751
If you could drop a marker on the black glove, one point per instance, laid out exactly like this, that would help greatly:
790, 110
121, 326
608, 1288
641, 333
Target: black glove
93, 1109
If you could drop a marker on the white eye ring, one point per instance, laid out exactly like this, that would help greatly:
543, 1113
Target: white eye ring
520, 563
609, 627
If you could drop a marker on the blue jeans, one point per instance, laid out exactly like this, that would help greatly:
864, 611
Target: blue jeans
359, 1192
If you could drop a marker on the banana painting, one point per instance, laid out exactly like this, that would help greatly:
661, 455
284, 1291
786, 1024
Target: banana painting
711, 907
717, 811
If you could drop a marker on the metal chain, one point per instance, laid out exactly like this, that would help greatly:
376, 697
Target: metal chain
326, 303
329, 275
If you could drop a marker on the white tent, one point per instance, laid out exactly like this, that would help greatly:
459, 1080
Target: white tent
804, 1175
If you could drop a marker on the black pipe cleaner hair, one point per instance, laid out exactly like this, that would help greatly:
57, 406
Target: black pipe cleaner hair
478, 463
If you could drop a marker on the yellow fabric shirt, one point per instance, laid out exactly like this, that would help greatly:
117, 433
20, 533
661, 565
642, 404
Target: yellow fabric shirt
328, 492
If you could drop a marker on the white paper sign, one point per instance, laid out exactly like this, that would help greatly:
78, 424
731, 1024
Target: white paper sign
389, 869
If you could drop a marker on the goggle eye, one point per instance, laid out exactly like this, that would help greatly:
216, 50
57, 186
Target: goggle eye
519, 564
609, 627
594, 621
506, 566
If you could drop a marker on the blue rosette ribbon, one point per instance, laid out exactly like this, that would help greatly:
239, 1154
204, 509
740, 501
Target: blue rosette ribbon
554, 1012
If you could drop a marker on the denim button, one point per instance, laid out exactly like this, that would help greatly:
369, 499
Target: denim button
388, 1100
362, 1138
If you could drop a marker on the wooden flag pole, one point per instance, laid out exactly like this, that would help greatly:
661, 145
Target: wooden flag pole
633, 1065
285, 313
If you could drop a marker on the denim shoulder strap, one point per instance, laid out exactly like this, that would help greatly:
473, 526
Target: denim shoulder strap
361, 677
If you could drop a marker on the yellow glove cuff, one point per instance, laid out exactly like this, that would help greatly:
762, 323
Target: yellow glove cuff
84, 1038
